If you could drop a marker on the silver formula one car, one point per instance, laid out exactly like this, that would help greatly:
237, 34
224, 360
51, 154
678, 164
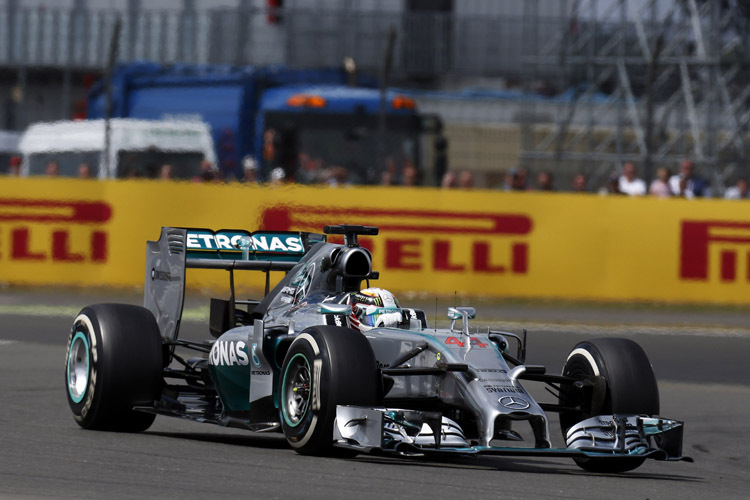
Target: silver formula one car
340, 370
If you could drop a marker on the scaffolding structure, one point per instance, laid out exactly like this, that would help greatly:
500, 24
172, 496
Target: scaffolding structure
654, 82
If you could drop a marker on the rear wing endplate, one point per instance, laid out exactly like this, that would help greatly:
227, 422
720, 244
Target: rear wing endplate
180, 248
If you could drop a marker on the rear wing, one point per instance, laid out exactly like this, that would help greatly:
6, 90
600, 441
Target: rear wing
180, 248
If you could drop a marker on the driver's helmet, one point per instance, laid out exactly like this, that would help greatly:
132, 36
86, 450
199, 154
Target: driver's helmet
373, 307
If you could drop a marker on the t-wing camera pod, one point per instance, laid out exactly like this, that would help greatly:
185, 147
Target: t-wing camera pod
350, 232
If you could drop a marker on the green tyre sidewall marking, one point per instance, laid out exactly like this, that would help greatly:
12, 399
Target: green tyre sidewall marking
284, 407
82, 336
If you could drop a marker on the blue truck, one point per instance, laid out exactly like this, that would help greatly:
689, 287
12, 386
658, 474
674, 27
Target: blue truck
300, 120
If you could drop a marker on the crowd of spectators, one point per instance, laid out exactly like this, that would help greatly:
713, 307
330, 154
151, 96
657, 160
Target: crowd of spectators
683, 184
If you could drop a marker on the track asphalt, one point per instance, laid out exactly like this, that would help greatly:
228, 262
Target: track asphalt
699, 356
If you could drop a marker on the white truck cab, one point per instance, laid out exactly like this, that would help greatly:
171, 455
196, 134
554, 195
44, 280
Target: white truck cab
138, 148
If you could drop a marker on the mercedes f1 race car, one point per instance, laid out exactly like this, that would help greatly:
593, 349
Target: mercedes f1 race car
341, 370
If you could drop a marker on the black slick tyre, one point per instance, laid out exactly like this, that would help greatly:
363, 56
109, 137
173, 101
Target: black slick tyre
325, 366
629, 388
113, 362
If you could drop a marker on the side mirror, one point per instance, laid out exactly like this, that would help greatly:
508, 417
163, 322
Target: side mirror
455, 313
464, 314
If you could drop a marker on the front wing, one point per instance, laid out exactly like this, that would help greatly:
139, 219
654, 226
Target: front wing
383, 431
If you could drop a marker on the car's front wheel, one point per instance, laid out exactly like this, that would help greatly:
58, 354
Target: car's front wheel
629, 388
324, 367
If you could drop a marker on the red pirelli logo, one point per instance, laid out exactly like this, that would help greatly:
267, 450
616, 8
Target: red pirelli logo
410, 235
698, 237
20, 221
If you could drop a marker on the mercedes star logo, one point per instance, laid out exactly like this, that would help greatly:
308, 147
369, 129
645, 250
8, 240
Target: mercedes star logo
513, 402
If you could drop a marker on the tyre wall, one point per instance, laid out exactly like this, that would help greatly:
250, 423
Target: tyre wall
479, 242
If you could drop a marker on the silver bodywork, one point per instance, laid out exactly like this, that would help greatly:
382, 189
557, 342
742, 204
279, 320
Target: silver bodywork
487, 388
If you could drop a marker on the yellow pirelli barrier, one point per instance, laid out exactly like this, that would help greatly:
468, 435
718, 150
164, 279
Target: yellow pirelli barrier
484, 243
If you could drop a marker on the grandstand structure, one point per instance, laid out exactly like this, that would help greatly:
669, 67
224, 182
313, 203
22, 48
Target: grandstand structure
562, 85
653, 82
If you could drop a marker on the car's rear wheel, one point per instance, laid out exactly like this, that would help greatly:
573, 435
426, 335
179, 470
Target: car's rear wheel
113, 363
324, 367
630, 388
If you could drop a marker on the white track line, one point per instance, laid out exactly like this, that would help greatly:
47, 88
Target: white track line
194, 314
201, 314
629, 329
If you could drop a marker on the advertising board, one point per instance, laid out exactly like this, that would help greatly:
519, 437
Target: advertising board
431, 241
